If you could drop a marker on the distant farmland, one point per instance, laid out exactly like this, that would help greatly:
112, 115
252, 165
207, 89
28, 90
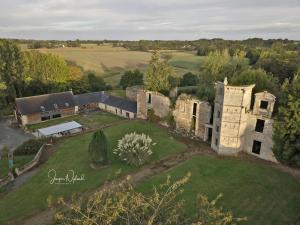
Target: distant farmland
109, 62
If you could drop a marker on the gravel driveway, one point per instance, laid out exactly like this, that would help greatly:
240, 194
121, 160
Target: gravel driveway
11, 137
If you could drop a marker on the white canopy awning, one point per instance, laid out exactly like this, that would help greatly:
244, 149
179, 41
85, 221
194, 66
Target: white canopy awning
59, 128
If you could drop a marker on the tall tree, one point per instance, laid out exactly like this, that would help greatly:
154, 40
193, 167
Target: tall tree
98, 148
131, 78
189, 79
287, 126
157, 74
259, 77
11, 68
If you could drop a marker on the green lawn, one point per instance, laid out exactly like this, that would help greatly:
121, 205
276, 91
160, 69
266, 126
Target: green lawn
18, 162
265, 195
92, 120
118, 92
186, 61
72, 154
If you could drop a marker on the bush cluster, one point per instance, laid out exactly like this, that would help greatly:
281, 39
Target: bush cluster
30, 147
134, 149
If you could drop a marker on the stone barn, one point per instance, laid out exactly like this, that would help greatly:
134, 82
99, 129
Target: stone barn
34, 109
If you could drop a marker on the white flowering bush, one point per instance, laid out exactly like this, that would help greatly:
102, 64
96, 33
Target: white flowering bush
134, 149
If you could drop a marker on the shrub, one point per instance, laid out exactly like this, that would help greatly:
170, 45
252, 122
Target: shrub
152, 117
98, 148
30, 147
135, 149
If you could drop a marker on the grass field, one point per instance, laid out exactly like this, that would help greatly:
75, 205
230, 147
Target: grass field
266, 196
110, 62
18, 162
92, 120
72, 155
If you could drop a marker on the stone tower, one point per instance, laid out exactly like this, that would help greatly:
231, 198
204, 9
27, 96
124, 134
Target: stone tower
232, 105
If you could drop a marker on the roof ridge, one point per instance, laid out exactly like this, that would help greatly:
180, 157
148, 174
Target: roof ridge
34, 96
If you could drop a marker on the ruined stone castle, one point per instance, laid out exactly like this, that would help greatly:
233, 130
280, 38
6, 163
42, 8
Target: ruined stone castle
231, 125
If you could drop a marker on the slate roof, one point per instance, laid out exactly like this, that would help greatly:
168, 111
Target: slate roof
87, 98
121, 103
34, 104
48, 102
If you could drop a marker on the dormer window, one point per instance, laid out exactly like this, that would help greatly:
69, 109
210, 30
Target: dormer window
67, 104
264, 104
42, 108
55, 106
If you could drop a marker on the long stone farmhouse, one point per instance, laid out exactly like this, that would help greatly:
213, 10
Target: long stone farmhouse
35, 109
231, 126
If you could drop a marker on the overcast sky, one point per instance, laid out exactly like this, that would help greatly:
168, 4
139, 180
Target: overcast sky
149, 19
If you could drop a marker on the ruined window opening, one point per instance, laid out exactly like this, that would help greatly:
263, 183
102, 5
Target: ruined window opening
193, 127
219, 114
127, 114
116, 111
195, 109
264, 104
260, 124
256, 147
149, 99
216, 142
217, 128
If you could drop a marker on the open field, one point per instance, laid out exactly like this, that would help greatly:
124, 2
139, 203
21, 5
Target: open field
92, 120
72, 155
110, 62
265, 195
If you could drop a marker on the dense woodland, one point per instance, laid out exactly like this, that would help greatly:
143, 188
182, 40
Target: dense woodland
273, 65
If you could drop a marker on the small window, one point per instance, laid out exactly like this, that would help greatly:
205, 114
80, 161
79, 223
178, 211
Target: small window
127, 114
43, 118
67, 104
55, 106
116, 111
264, 104
216, 142
260, 124
42, 108
121, 111
217, 128
256, 147
219, 114
56, 115
149, 99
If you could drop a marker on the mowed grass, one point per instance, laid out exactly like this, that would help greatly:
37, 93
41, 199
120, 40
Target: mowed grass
265, 195
92, 120
110, 62
103, 60
186, 60
72, 154
118, 92
19, 161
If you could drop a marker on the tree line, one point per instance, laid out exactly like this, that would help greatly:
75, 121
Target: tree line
31, 73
